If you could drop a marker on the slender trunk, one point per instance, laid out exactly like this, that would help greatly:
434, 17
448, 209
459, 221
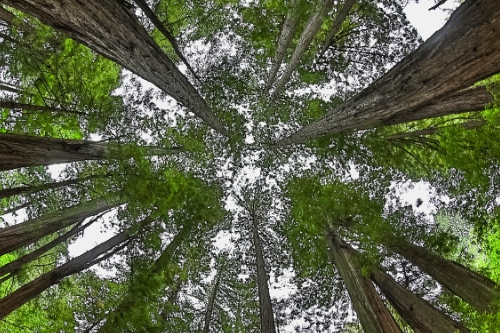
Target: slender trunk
6, 16
112, 30
311, 29
8, 88
340, 17
373, 315
465, 51
472, 124
16, 236
422, 316
14, 267
211, 303
15, 209
136, 293
265, 305
171, 39
37, 108
31, 290
286, 36
26, 190
475, 289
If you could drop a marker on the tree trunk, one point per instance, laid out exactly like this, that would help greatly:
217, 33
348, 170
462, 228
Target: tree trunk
475, 289
373, 315
472, 124
112, 30
265, 305
418, 313
15, 209
465, 51
286, 36
31, 290
211, 303
16, 236
120, 315
311, 29
340, 17
37, 108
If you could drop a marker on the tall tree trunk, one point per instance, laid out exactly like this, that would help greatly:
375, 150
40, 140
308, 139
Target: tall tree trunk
211, 303
37, 108
311, 29
422, 316
465, 51
340, 17
31, 290
16, 236
475, 289
286, 36
112, 30
25, 190
120, 315
468, 125
371, 311
265, 306
16, 208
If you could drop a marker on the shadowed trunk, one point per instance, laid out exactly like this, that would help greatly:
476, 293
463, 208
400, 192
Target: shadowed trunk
371, 311
422, 316
340, 17
36, 108
112, 30
465, 51
16, 236
211, 303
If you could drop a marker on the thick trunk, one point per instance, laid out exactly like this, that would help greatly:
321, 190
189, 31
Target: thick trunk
112, 30
16, 236
211, 303
265, 305
25, 190
286, 36
31, 290
371, 312
14, 267
120, 315
475, 289
418, 313
465, 51
311, 29
340, 17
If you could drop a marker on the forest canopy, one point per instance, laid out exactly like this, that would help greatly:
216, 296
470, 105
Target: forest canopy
238, 166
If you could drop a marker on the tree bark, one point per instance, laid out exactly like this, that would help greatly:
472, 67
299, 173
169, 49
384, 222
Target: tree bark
113, 31
16, 236
211, 303
475, 289
340, 17
265, 306
311, 29
422, 316
31, 290
465, 51
371, 311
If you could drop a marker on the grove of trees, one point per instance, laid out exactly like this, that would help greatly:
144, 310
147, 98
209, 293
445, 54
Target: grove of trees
245, 162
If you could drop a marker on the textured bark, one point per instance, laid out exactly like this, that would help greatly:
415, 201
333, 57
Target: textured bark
265, 305
465, 51
418, 313
211, 303
311, 29
340, 17
371, 312
120, 315
475, 289
31, 290
112, 30
286, 36
16, 236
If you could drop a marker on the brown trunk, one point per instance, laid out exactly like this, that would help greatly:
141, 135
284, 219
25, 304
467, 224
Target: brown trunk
340, 17
265, 305
475, 289
16, 236
8, 88
211, 303
31, 290
120, 315
112, 30
311, 29
465, 51
418, 313
373, 315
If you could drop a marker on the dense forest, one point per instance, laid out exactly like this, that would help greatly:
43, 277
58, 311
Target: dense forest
238, 166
